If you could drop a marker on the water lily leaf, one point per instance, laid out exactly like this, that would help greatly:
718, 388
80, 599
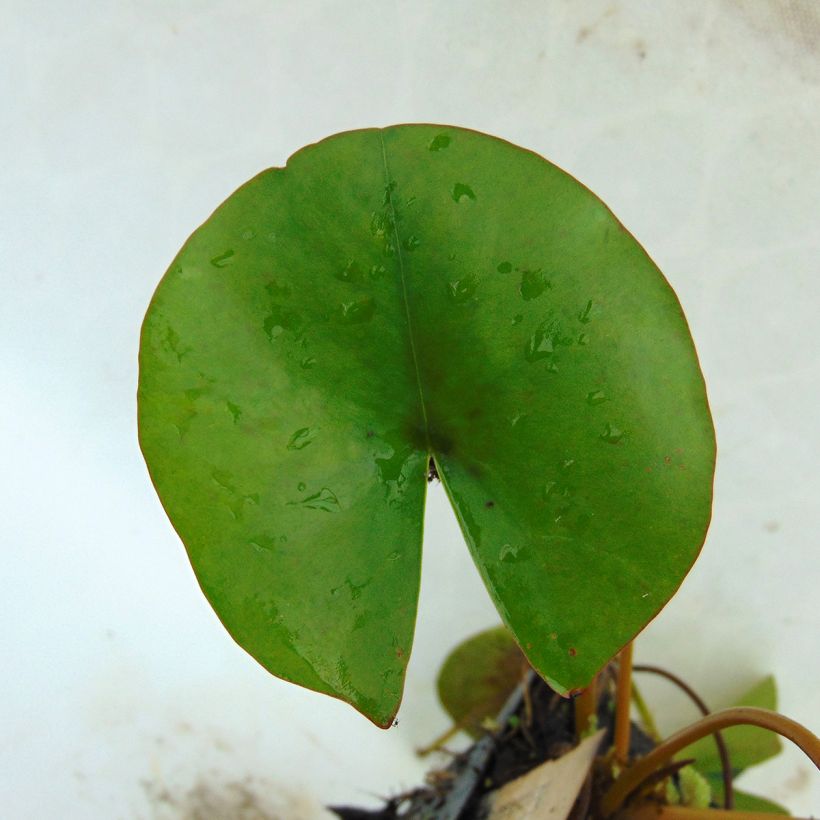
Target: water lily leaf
747, 745
393, 295
751, 802
477, 677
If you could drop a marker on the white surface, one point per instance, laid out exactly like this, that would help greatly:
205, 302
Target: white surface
125, 123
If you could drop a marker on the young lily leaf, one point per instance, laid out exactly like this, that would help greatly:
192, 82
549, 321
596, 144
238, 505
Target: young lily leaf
751, 802
747, 745
415, 291
477, 677
693, 788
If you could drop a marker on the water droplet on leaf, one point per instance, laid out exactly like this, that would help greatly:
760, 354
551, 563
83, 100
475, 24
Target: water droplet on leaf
388, 192
301, 438
280, 319
509, 554
358, 311
542, 343
611, 434
277, 290
516, 417
224, 479
439, 142
461, 191
324, 500
380, 224
350, 272
463, 289
223, 260
533, 284
193, 393
263, 543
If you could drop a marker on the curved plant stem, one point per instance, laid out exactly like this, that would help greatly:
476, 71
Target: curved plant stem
623, 698
645, 715
723, 752
440, 740
526, 678
633, 777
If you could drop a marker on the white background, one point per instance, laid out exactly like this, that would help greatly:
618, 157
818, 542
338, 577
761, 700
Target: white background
125, 123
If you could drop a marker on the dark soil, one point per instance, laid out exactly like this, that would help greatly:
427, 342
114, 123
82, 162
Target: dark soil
534, 727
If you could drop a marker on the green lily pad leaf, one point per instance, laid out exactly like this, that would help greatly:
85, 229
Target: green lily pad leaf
477, 677
393, 295
743, 800
747, 745
751, 802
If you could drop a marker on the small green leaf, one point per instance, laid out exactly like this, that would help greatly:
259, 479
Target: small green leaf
477, 677
747, 745
751, 802
694, 788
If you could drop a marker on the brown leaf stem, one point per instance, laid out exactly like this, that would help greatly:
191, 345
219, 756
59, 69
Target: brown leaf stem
633, 777
623, 699
586, 704
723, 751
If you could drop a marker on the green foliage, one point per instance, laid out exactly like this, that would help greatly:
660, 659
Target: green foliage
399, 294
747, 746
478, 676
751, 802
692, 789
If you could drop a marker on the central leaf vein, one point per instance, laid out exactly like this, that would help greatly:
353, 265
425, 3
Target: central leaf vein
395, 222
